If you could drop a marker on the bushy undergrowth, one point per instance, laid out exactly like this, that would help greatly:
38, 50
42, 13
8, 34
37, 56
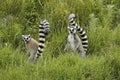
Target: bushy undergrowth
66, 66
99, 18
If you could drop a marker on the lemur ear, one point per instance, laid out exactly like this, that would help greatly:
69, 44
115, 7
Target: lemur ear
29, 35
22, 35
68, 27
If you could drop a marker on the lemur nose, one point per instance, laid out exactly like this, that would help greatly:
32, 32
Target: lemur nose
71, 31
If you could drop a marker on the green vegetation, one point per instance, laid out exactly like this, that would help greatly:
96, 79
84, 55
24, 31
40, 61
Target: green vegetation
100, 19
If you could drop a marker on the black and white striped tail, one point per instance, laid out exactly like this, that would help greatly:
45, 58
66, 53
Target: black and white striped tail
83, 38
43, 30
46, 26
41, 41
80, 30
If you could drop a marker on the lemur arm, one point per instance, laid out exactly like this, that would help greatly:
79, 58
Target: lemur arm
77, 42
76, 46
28, 54
31, 57
66, 46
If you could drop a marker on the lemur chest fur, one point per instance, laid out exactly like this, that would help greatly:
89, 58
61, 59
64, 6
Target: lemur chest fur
32, 46
71, 40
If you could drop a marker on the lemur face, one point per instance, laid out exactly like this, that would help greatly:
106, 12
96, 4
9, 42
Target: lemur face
26, 38
72, 30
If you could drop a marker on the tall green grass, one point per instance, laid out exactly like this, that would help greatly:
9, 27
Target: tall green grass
99, 18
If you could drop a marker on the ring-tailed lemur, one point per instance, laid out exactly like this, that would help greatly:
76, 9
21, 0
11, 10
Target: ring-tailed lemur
80, 30
34, 47
75, 41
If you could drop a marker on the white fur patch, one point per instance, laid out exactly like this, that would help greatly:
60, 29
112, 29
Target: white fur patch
85, 41
42, 34
84, 37
42, 44
40, 49
41, 39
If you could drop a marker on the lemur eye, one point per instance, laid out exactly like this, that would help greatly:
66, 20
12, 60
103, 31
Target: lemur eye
72, 21
74, 24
